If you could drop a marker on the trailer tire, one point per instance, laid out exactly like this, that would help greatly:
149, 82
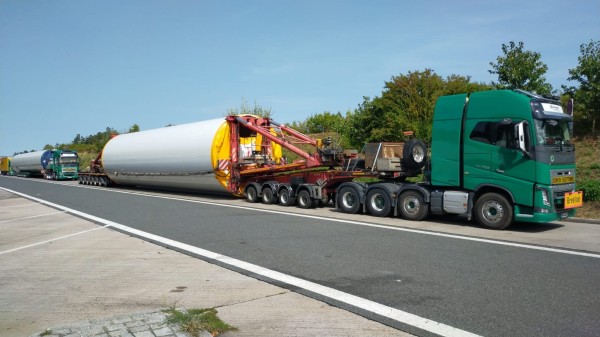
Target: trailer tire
412, 206
268, 197
304, 200
414, 154
251, 194
379, 202
492, 210
348, 200
285, 197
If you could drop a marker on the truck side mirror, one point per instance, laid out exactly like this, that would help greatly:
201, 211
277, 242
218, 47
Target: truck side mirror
522, 137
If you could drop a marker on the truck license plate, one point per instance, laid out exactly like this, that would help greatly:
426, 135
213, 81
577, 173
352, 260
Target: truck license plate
573, 199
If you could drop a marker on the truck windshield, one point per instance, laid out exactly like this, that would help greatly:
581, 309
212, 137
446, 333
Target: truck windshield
554, 131
67, 160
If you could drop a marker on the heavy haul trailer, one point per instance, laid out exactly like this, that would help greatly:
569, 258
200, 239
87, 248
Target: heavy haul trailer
498, 156
51, 164
240, 155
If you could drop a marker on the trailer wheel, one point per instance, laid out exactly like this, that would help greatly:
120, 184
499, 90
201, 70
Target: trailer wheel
379, 202
268, 196
414, 154
493, 211
413, 206
285, 198
251, 194
348, 200
304, 200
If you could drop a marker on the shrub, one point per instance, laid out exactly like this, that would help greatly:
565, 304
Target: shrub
591, 190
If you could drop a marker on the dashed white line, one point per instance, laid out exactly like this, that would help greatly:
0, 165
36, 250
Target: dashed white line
52, 240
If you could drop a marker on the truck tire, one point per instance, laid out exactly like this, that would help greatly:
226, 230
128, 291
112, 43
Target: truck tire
348, 200
285, 198
412, 206
379, 202
492, 210
414, 154
251, 194
304, 200
268, 197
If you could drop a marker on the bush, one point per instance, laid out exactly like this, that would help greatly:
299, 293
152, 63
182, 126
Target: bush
591, 190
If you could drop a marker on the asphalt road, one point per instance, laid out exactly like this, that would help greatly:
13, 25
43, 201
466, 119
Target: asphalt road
486, 289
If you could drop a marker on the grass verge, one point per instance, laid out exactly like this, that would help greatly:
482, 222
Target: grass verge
194, 321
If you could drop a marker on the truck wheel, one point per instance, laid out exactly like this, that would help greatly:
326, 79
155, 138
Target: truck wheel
304, 200
379, 202
348, 200
285, 198
492, 210
268, 197
251, 194
412, 206
414, 154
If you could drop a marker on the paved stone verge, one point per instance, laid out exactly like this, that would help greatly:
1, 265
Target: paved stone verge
144, 324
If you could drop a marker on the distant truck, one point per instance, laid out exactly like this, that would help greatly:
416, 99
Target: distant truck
5, 165
496, 156
50, 164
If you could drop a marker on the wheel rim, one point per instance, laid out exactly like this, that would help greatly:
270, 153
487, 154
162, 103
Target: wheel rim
411, 205
303, 199
492, 211
251, 194
284, 197
348, 200
378, 202
418, 154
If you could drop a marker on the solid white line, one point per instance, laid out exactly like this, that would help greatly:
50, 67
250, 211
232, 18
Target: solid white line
366, 224
359, 302
31, 217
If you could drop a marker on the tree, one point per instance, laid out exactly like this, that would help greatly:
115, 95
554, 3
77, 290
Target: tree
406, 104
587, 73
521, 69
246, 109
134, 128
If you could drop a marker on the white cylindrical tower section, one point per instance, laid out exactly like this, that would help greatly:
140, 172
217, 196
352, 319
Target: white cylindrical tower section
32, 162
173, 157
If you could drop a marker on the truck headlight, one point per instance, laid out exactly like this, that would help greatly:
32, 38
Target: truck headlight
545, 197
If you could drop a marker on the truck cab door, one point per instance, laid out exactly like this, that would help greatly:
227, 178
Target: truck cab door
512, 167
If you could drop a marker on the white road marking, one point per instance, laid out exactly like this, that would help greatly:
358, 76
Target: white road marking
52, 240
359, 302
31, 217
21, 205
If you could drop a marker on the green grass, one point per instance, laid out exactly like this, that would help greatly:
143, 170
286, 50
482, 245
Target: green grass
588, 175
194, 321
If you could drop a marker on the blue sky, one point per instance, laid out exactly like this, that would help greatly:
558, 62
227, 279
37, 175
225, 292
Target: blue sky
71, 67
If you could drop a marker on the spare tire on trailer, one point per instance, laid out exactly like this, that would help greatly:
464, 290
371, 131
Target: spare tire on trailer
414, 154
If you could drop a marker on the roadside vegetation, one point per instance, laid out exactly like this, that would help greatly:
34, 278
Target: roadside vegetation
195, 321
588, 176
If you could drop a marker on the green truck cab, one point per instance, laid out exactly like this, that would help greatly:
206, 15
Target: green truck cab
511, 151
61, 165
496, 156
